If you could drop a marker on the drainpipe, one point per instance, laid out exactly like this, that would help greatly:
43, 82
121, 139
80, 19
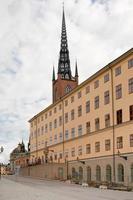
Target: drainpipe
113, 124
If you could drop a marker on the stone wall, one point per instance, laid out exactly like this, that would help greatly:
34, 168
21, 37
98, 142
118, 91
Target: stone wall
46, 171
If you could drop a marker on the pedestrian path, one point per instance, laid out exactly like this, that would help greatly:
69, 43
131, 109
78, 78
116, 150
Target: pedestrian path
19, 188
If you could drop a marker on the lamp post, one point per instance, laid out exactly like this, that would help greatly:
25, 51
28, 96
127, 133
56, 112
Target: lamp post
1, 150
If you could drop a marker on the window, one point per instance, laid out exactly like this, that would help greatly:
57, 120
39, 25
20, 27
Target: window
97, 124
41, 118
87, 89
130, 63
66, 103
119, 116
50, 140
55, 110
60, 155
55, 156
79, 95
98, 173
132, 173
130, 85
46, 128
66, 117
119, 142
106, 97
50, 112
108, 173
73, 173
88, 148
118, 90
120, 173
68, 89
106, 78
107, 120
97, 146
73, 132
96, 102
80, 150
60, 120
107, 145
72, 99
60, 137
73, 152
131, 112
79, 130
46, 116
88, 174
131, 140
66, 134
72, 114
87, 106
50, 126
32, 124
96, 84
118, 71
55, 139
80, 173
55, 123
79, 111
66, 154
88, 127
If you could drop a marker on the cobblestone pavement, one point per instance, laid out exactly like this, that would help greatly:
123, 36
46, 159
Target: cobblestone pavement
19, 188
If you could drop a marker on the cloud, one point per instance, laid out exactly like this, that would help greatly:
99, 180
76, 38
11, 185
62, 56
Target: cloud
98, 31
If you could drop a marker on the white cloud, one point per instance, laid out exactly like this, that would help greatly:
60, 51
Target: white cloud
98, 31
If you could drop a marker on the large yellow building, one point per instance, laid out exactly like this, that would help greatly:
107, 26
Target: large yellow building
88, 126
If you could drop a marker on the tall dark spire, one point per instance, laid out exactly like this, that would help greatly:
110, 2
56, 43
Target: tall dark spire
64, 62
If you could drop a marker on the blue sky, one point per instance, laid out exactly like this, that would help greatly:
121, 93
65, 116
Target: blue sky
98, 31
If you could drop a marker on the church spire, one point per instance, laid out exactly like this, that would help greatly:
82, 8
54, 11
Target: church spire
64, 62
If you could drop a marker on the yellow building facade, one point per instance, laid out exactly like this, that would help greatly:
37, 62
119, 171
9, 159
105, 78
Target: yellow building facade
91, 126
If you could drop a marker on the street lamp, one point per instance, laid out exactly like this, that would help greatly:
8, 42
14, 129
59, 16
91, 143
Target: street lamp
1, 149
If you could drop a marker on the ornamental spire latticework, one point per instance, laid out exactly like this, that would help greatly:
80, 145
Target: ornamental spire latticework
64, 62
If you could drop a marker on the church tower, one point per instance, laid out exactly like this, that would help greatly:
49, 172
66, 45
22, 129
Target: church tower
65, 82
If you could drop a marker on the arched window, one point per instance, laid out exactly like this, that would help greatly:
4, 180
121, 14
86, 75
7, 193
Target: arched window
60, 173
88, 174
108, 173
98, 173
68, 89
120, 173
80, 173
73, 173
132, 173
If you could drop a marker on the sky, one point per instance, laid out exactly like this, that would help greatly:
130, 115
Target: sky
98, 31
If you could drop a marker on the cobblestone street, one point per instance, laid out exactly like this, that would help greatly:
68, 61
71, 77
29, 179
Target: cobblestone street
32, 189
